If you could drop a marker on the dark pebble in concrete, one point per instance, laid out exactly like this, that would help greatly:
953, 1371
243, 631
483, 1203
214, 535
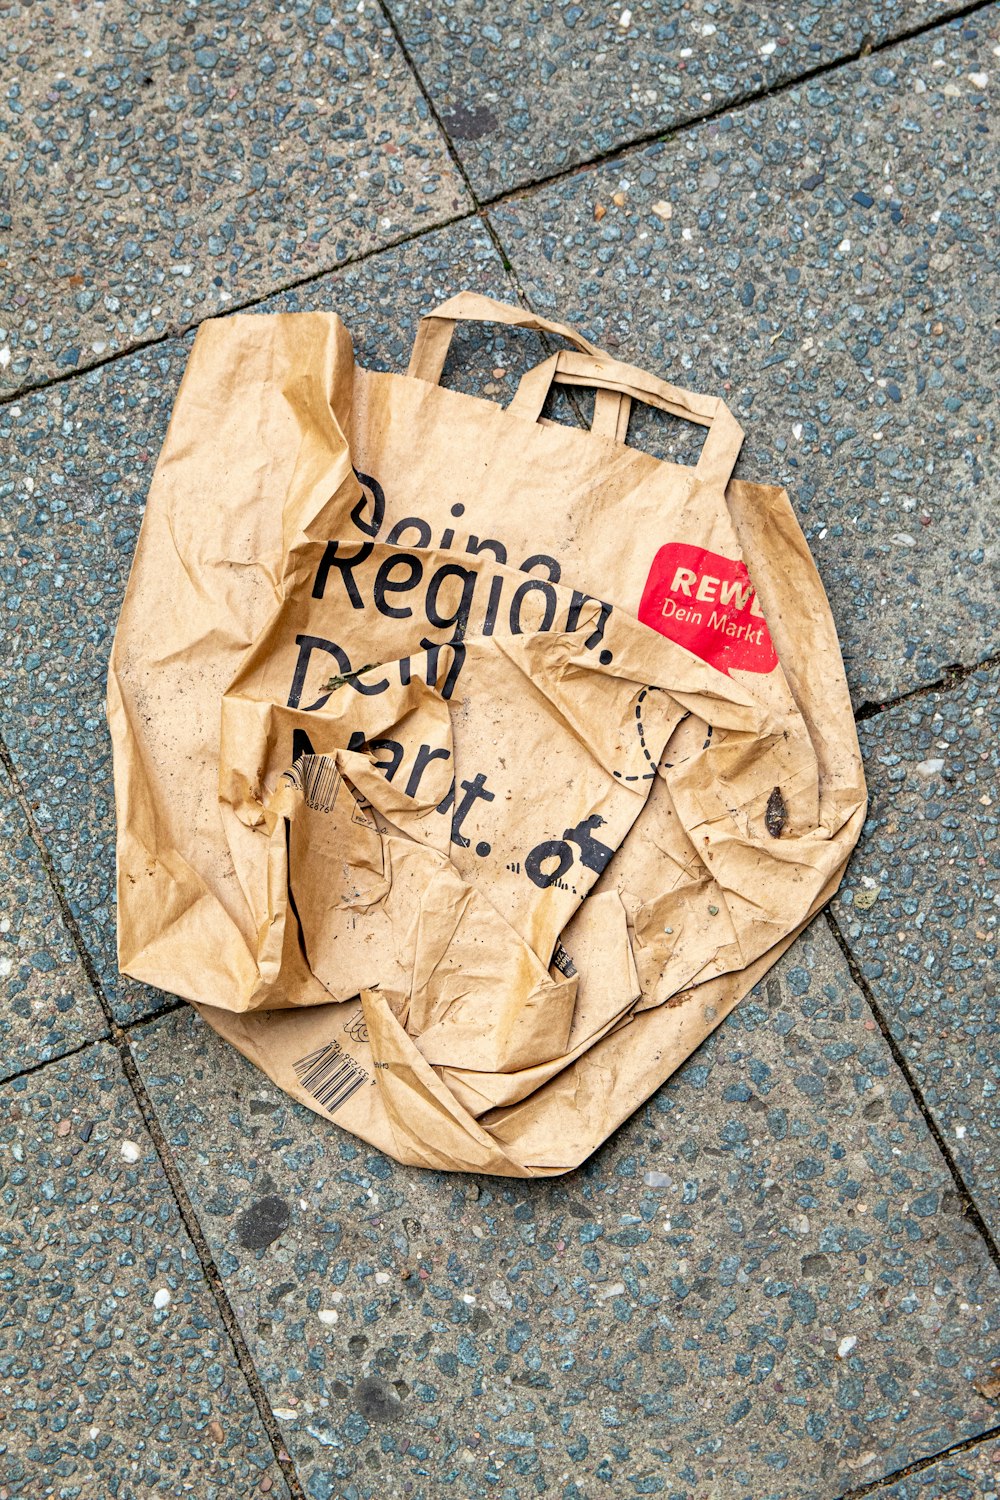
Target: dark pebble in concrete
762, 1286
261, 1223
108, 1391
527, 90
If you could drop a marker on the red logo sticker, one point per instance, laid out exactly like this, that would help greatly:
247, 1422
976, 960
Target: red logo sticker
707, 604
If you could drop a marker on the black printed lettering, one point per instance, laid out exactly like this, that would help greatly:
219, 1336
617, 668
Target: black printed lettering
593, 854
333, 558
576, 610
454, 670
597, 634
556, 849
488, 544
301, 744
540, 559
475, 791
493, 604
448, 800
434, 649
394, 749
459, 617
423, 759
395, 753
307, 644
534, 585
385, 583
408, 523
368, 689
372, 524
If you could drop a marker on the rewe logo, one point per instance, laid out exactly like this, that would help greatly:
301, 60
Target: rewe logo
707, 604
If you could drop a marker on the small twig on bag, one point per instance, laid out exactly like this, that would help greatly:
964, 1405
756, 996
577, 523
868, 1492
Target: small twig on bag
337, 682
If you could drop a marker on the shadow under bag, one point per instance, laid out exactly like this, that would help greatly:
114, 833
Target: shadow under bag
469, 768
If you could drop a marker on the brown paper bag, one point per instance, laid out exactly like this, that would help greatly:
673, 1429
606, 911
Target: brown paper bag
469, 768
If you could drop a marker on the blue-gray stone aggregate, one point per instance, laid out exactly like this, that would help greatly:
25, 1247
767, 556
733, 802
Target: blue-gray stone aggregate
972, 1475
168, 162
920, 909
527, 90
762, 1287
119, 1381
47, 1004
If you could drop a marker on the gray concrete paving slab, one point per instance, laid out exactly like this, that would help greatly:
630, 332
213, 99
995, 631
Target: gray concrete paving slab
762, 1287
82, 456
972, 1475
525, 91
920, 909
47, 1004
117, 1375
165, 162
827, 261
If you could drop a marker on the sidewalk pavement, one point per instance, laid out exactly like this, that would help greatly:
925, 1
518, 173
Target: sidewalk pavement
780, 1279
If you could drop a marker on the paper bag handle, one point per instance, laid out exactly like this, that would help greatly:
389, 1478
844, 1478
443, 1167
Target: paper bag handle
725, 435
430, 347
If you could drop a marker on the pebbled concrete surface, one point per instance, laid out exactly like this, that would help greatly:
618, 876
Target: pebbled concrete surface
763, 1286
166, 162
973, 1475
525, 91
828, 259
47, 1005
83, 455
106, 1393
920, 909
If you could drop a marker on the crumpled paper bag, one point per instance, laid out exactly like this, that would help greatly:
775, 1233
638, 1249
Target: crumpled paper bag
469, 768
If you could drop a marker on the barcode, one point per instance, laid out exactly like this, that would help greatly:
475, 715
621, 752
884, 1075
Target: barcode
319, 779
562, 961
330, 1075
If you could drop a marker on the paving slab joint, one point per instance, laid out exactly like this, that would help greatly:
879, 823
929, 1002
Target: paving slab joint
616, 153
951, 678
113, 1033
775, 91
209, 1269
54, 1062
119, 1037
969, 1208
249, 304
390, 21
459, 165
175, 1003
880, 1485
65, 911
